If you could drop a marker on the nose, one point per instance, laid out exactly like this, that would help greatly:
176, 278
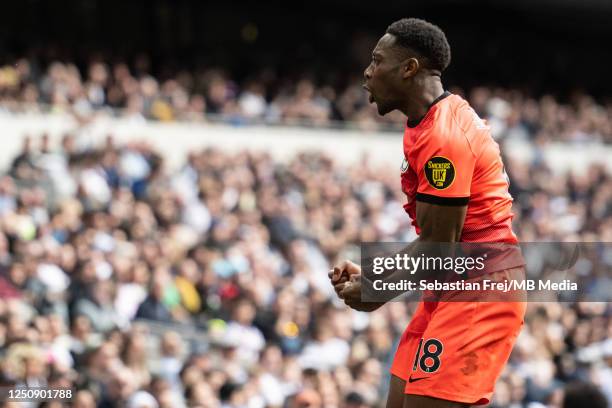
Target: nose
367, 74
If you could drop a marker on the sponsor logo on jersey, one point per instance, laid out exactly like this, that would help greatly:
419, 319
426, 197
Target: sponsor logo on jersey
404, 165
411, 380
478, 122
440, 172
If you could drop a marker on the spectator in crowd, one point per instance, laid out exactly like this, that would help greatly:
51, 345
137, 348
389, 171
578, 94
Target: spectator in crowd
117, 292
135, 92
583, 395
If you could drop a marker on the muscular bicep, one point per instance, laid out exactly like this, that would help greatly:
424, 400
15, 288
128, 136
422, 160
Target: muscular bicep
440, 223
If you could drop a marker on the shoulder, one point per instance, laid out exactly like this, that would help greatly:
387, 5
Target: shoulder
457, 124
448, 126
465, 116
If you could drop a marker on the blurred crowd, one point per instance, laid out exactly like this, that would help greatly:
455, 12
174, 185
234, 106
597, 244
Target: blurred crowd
207, 286
136, 91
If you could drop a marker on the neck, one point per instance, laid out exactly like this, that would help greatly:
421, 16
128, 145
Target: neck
417, 104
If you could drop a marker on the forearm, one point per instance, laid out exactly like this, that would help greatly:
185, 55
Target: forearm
416, 249
440, 227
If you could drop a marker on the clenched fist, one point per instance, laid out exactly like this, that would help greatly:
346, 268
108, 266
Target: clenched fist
341, 274
346, 278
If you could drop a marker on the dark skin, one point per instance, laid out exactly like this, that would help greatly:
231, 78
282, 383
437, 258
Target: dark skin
399, 79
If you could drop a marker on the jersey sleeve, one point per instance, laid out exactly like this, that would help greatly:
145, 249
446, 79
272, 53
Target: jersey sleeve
444, 163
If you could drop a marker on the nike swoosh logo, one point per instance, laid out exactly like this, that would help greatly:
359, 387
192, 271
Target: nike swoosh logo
411, 380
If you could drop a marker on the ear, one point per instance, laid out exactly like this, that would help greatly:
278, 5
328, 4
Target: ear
410, 67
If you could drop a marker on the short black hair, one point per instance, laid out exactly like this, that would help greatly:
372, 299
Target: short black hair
425, 38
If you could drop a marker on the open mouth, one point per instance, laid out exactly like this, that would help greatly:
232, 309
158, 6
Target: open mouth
370, 96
